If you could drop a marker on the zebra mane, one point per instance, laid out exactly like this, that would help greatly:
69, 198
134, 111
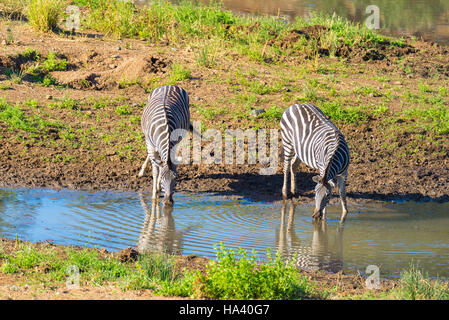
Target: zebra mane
338, 138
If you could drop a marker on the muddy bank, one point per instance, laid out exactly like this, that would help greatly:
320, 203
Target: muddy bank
93, 146
425, 180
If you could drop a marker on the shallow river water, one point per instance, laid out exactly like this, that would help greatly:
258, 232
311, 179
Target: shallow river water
388, 235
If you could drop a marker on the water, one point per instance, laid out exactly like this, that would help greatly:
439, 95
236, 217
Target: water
389, 235
422, 18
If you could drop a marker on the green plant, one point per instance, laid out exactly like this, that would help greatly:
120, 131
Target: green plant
273, 113
13, 8
434, 118
204, 57
348, 114
123, 110
43, 15
66, 103
243, 278
54, 63
178, 73
414, 285
14, 117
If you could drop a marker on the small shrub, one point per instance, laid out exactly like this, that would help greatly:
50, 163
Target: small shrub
344, 115
414, 285
244, 278
54, 63
43, 15
273, 113
123, 110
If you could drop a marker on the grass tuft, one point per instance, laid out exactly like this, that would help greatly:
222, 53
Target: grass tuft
44, 15
414, 285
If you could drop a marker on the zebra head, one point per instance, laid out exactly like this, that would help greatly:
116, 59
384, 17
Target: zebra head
168, 176
323, 192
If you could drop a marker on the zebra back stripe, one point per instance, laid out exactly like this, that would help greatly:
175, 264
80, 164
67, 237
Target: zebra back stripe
315, 140
167, 110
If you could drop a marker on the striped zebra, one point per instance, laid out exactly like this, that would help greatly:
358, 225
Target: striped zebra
167, 110
309, 135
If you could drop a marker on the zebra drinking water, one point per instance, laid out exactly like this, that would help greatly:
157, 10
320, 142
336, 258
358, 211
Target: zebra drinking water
167, 110
309, 135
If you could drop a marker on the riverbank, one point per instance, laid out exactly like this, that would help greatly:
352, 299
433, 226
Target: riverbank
49, 271
70, 106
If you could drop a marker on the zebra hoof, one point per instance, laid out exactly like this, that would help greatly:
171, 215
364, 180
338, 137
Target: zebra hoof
287, 195
316, 215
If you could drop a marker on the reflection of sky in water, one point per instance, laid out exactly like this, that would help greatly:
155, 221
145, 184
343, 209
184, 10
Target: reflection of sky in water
385, 234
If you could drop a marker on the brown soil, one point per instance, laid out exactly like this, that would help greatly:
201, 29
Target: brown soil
103, 68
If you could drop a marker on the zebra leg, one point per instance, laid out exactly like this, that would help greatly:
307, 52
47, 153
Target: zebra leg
341, 180
288, 156
155, 170
293, 169
287, 164
144, 166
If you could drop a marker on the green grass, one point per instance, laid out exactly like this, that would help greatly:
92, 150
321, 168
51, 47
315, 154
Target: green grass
178, 73
48, 265
5, 86
415, 285
341, 114
229, 277
53, 62
273, 113
226, 278
233, 275
435, 118
44, 15
65, 103
253, 36
123, 110
16, 120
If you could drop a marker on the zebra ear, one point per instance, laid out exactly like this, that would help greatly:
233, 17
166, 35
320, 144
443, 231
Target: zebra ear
332, 183
316, 179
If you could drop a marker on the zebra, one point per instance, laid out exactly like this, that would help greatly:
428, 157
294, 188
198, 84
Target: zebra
167, 110
308, 135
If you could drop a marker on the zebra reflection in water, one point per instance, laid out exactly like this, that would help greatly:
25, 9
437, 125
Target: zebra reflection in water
158, 231
319, 255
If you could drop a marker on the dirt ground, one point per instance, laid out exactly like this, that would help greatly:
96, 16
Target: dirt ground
97, 65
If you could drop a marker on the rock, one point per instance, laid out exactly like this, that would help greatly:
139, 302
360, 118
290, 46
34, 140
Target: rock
127, 255
257, 112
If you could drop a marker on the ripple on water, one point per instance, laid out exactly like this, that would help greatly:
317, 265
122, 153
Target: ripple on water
385, 234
